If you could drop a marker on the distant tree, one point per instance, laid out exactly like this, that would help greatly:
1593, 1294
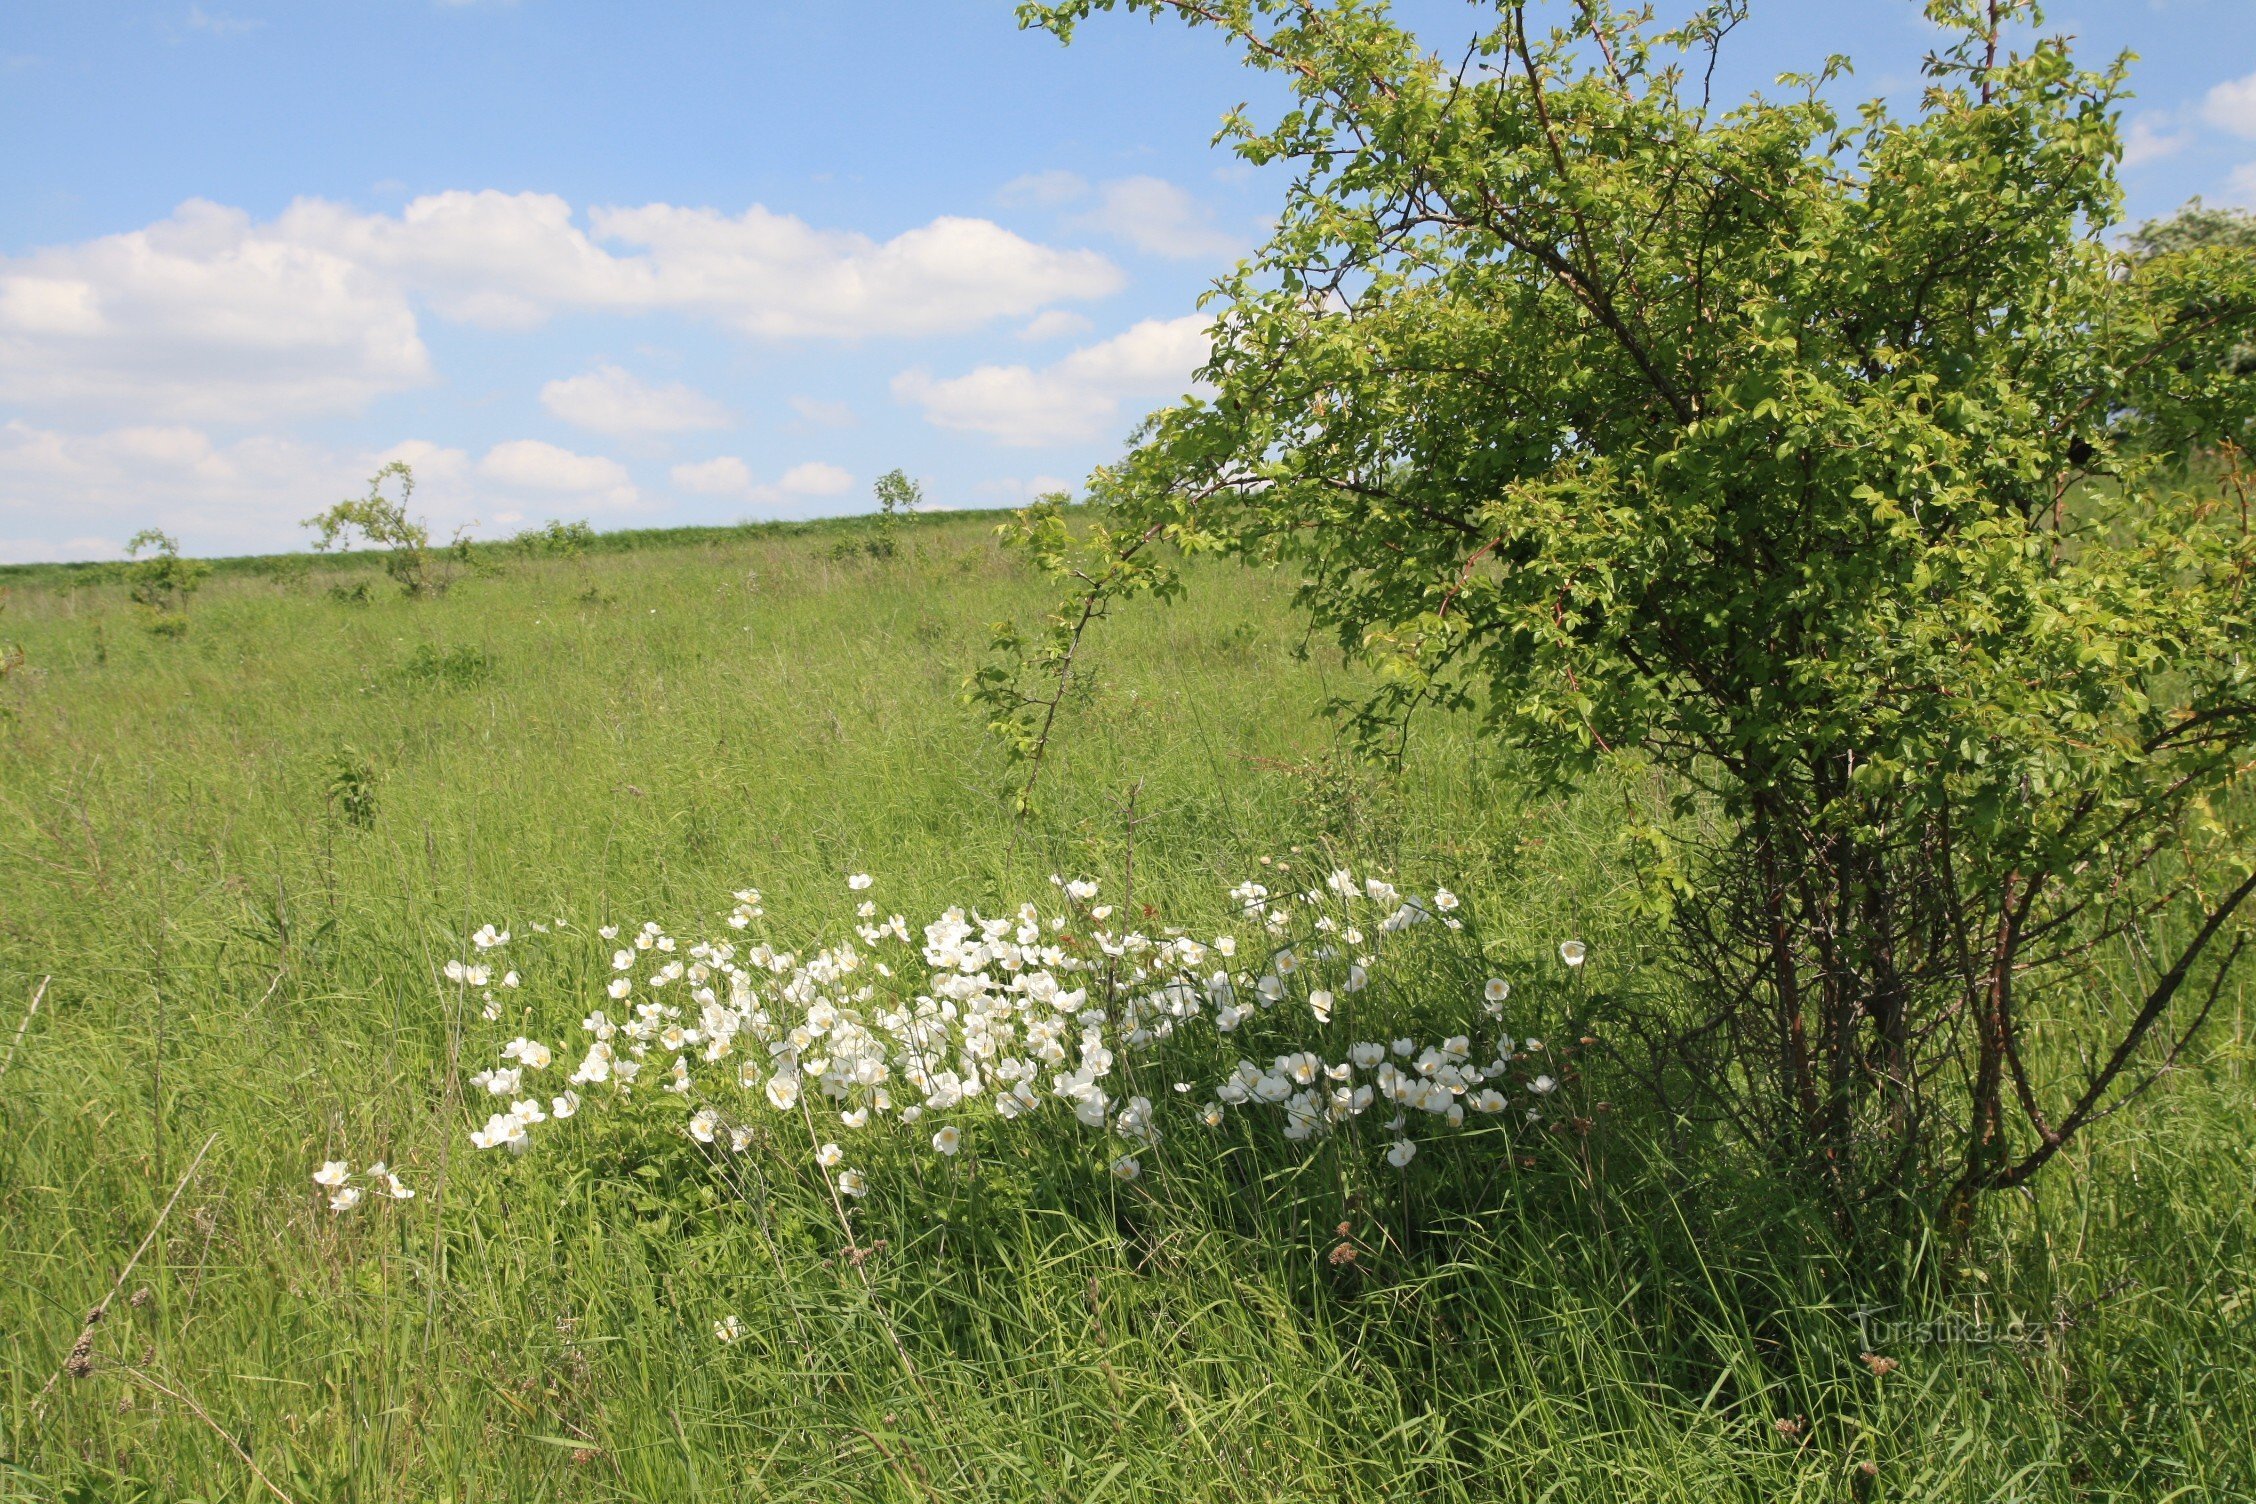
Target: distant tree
897, 497
2228, 235
2196, 227
384, 523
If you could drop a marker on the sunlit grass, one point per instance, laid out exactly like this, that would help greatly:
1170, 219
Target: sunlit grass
233, 954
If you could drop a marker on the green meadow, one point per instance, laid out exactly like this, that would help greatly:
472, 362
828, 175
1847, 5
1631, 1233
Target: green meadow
235, 861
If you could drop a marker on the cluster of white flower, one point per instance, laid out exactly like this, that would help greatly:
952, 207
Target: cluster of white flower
478, 975
1004, 1019
335, 1176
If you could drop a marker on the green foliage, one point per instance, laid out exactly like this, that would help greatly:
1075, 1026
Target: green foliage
459, 667
898, 497
2197, 234
382, 522
556, 539
1834, 467
570, 541
351, 789
2196, 227
160, 582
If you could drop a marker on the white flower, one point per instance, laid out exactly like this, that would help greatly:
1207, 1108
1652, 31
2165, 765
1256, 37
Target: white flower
564, 1106
829, 1156
1543, 1086
728, 1328
609, 932
333, 1173
510, 979
345, 1199
488, 937
394, 1188
619, 987
851, 1183
1127, 1167
859, 881
621, 959
1445, 900
1320, 1004
783, 1092
1497, 990
1401, 1152
702, 1125
1572, 952
948, 1139
498, 1082
502, 1128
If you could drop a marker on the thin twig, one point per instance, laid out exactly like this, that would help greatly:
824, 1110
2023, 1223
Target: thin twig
205, 1416
80, 1361
17, 1042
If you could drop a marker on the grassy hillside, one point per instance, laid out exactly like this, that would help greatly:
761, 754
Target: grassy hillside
237, 861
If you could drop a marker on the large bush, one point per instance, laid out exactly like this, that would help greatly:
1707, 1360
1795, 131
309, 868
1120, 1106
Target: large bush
1836, 467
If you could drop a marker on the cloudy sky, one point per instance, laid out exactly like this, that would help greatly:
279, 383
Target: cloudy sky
684, 260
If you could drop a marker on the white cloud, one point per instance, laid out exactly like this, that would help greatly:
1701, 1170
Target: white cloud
724, 476
1016, 490
1078, 397
220, 24
1159, 219
1043, 189
2240, 186
80, 495
608, 400
2231, 106
201, 317
2148, 141
728, 476
1055, 323
815, 479
208, 316
531, 465
824, 414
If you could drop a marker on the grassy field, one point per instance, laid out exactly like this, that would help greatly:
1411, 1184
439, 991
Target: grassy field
238, 859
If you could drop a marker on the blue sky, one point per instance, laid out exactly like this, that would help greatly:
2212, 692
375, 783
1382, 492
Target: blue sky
687, 261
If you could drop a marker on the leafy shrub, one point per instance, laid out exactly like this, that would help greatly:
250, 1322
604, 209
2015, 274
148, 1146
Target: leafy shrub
351, 789
383, 523
160, 582
1838, 469
897, 497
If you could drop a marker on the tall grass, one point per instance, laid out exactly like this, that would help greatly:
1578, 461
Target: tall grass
234, 952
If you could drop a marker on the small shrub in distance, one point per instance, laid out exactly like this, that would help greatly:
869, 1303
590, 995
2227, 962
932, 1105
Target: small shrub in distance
383, 523
159, 581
